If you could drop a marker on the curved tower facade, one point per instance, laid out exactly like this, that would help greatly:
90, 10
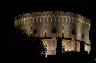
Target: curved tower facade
70, 29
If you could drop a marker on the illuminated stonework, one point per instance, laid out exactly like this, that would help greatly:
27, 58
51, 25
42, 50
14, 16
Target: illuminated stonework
56, 24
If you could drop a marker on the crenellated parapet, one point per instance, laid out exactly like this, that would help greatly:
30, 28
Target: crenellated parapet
48, 16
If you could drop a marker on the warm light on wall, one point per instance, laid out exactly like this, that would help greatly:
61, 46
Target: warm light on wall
63, 22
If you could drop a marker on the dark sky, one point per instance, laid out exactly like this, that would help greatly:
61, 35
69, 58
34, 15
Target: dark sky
8, 12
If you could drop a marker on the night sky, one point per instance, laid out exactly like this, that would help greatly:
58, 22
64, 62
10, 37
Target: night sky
8, 12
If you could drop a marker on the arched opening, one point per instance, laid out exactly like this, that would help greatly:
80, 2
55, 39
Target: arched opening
53, 30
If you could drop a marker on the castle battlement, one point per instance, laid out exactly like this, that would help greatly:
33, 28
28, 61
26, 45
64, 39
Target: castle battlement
65, 24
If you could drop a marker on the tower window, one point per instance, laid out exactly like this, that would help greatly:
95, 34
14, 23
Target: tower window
35, 31
72, 32
45, 26
45, 34
53, 30
62, 33
83, 37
